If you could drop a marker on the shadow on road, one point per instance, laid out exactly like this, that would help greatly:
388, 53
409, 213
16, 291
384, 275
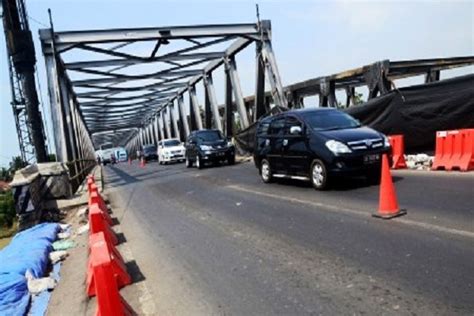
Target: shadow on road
337, 184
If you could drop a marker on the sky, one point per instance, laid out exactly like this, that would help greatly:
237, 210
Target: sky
310, 38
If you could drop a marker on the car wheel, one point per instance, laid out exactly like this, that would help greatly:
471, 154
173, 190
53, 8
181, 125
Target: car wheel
319, 175
266, 171
198, 162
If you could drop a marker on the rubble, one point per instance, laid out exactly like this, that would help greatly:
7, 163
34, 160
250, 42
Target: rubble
419, 161
36, 286
56, 256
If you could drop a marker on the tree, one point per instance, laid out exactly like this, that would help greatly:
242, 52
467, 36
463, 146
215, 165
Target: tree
5, 174
358, 98
17, 163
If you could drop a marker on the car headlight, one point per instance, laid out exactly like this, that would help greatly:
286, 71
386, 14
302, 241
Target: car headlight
229, 144
205, 147
337, 147
386, 141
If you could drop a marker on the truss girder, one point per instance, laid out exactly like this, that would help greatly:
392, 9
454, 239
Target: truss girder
109, 92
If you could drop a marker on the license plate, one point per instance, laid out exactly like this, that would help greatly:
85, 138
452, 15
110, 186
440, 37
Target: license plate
368, 159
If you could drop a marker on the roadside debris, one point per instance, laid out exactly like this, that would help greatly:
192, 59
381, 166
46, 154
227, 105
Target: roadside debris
81, 212
36, 286
64, 235
83, 229
419, 161
56, 256
63, 244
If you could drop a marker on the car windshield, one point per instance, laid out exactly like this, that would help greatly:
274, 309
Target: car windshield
330, 120
171, 143
149, 149
209, 136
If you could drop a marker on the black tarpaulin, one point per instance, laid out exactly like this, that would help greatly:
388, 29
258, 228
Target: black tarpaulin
417, 112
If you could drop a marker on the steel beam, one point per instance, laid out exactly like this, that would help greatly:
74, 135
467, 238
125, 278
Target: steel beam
229, 113
273, 75
129, 62
153, 33
195, 107
168, 74
259, 104
212, 100
238, 96
182, 116
173, 118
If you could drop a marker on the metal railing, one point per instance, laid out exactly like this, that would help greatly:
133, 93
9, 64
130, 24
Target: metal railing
78, 170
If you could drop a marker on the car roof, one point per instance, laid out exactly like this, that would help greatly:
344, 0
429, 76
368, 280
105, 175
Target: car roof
298, 112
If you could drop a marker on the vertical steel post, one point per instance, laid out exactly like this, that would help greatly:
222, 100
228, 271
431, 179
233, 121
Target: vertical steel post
182, 114
238, 96
212, 100
207, 108
195, 107
229, 114
174, 120
259, 106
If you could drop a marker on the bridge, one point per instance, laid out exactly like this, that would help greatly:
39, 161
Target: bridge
216, 240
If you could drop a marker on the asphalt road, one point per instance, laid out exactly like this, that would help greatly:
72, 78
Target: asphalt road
218, 241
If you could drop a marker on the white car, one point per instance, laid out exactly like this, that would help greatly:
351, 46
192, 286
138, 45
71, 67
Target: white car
170, 150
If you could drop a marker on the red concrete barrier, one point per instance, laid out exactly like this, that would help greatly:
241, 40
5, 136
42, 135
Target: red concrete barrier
466, 161
116, 264
90, 182
398, 151
454, 150
96, 198
109, 301
97, 223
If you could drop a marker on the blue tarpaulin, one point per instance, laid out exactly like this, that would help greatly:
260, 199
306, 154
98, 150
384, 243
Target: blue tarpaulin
28, 250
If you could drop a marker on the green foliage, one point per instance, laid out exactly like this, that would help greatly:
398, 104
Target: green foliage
358, 98
7, 209
5, 174
51, 157
17, 163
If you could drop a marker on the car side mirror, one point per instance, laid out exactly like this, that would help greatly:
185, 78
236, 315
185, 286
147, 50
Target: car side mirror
295, 130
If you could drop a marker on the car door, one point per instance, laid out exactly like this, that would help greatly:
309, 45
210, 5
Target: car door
275, 140
295, 153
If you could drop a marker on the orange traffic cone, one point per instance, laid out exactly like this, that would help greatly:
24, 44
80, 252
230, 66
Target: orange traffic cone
129, 161
142, 163
388, 205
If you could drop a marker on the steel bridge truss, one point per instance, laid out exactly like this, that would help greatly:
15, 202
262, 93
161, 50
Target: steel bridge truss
117, 95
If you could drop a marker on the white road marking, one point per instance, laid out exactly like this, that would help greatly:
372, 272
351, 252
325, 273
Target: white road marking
338, 209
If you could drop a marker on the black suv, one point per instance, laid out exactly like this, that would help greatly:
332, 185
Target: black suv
317, 144
150, 153
208, 145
